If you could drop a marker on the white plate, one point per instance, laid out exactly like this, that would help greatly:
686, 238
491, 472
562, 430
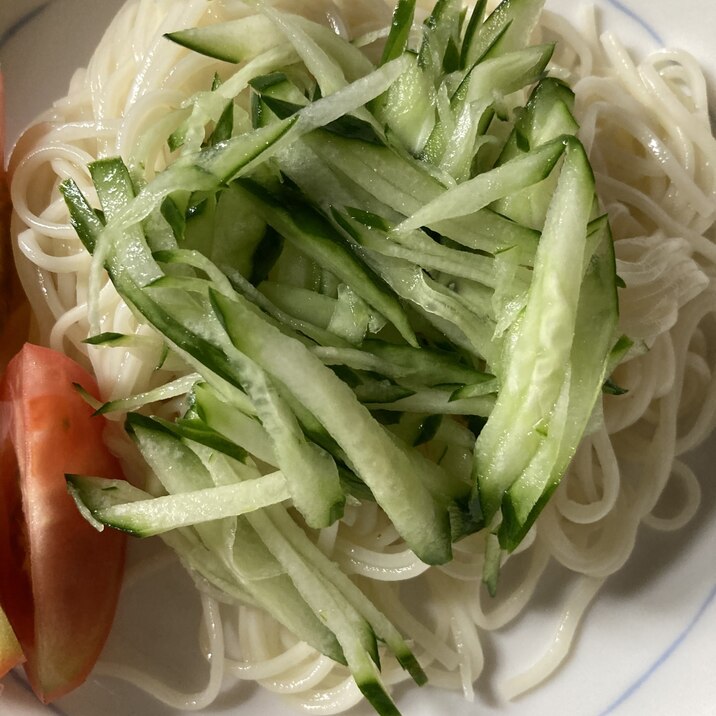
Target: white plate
647, 646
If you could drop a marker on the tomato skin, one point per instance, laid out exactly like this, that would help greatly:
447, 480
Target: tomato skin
14, 307
10, 652
59, 577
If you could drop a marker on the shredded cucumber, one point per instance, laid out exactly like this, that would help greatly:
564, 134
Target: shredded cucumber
116, 504
355, 267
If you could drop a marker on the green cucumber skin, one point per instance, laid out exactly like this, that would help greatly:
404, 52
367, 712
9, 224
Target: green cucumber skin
317, 492
479, 192
147, 516
597, 322
498, 461
385, 468
404, 187
547, 115
313, 235
431, 550
500, 33
222, 41
399, 30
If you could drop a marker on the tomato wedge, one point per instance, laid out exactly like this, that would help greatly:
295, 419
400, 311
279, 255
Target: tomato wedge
59, 577
10, 651
14, 308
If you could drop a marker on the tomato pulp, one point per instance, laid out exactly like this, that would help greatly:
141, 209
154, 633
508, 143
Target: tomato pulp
14, 308
59, 577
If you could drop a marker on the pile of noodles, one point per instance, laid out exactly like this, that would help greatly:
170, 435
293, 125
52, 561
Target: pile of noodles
647, 130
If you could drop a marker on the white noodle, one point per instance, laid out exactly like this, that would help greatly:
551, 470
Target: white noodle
177, 699
580, 599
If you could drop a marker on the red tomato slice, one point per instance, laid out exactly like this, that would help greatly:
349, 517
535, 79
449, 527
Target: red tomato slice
10, 651
59, 577
14, 308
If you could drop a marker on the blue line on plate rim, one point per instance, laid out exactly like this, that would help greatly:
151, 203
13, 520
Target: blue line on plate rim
638, 18
668, 652
52, 708
21, 22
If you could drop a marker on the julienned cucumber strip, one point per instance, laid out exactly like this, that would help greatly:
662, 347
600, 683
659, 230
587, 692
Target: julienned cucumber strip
316, 238
508, 28
492, 563
505, 74
438, 402
192, 428
379, 462
379, 391
352, 631
231, 422
595, 328
116, 504
382, 627
407, 109
477, 17
399, 30
111, 339
439, 304
246, 38
542, 342
182, 471
235, 41
311, 473
546, 116
301, 303
353, 318
482, 190
346, 126
404, 186
476, 98
325, 70
169, 390
418, 247
330, 60
539, 122
441, 37
410, 366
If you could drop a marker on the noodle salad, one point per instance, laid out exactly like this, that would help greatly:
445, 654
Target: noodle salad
385, 312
